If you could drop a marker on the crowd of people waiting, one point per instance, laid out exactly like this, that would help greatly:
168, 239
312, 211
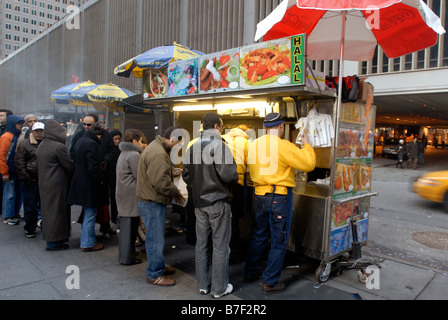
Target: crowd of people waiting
120, 177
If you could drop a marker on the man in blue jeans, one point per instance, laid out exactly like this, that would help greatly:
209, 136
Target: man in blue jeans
155, 190
273, 162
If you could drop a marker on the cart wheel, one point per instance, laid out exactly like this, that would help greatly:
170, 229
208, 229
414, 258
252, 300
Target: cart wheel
322, 274
362, 277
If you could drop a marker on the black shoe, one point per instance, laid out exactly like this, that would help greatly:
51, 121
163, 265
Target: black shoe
30, 234
136, 261
249, 279
62, 246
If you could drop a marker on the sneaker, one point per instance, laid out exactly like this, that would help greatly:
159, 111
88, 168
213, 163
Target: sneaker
39, 223
30, 234
227, 291
11, 221
204, 292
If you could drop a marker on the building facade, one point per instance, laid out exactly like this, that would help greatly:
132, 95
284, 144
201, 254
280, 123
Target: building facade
23, 20
106, 33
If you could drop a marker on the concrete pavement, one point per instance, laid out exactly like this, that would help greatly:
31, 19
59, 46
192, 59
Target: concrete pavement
28, 272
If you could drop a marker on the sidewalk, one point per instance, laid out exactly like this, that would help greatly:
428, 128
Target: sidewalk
29, 272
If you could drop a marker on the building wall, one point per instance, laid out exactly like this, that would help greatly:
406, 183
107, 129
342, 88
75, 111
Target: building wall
113, 31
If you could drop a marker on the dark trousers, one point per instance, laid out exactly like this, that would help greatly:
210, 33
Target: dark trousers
273, 215
128, 235
241, 206
31, 205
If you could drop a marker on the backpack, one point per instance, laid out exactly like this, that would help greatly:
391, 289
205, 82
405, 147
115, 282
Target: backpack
350, 87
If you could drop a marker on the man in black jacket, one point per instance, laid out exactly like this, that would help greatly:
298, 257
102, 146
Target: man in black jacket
210, 170
108, 152
25, 162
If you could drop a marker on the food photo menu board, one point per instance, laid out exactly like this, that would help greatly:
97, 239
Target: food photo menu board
274, 63
353, 175
354, 153
341, 236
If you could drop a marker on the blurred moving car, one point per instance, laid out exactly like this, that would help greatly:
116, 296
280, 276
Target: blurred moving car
390, 148
433, 186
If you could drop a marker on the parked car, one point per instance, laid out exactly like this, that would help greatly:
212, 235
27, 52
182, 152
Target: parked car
390, 148
433, 186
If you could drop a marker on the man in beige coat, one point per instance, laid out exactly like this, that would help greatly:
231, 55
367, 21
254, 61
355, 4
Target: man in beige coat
155, 190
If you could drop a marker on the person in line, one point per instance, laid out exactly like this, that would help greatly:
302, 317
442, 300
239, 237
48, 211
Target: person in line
12, 191
55, 169
155, 190
116, 138
127, 203
238, 142
210, 170
401, 152
4, 113
25, 162
107, 152
272, 163
412, 151
87, 184
30, 120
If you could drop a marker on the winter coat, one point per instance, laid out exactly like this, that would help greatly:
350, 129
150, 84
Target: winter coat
155, 174
401, 151
8, 144
412, 149
210, 170
127, 170
87, 186
55, 169
25, 159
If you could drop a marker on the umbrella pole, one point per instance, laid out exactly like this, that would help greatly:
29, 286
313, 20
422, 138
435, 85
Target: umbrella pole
339, 98
341, 61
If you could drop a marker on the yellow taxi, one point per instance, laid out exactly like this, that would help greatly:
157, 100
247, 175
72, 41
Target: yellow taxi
433, 186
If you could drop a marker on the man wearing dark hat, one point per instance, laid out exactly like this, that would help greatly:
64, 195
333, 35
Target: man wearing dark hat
273, 162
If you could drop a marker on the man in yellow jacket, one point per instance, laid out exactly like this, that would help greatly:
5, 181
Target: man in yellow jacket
273, 162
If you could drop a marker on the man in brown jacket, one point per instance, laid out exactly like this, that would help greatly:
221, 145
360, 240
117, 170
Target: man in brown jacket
155, 189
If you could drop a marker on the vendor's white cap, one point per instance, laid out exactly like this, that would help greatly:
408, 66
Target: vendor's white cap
38, 125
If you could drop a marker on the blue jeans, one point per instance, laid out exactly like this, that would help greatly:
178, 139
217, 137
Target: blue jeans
212, 264
273, 214
12, 198
88, 228
153, 216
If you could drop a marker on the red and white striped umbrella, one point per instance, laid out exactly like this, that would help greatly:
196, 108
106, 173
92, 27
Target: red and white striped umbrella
398, 26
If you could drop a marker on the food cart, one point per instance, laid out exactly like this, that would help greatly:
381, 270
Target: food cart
331, 204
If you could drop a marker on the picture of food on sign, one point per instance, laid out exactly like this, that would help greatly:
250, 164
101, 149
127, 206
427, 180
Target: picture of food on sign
342, 213
266, 66
219, 71
344, 178
155, 82
363, 176
347, 143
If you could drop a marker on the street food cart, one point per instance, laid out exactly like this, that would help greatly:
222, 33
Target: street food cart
331, 204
